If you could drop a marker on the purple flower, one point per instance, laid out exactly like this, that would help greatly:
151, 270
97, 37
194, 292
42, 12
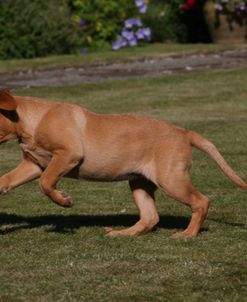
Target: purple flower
121, 42
139, 3
129, 23
84, 50
83, 22
128, 35
142, 6
143, 34
133, 29
147, 33
132, 41
139, 34
143, 9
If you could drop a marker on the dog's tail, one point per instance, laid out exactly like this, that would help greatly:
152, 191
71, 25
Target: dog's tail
203, 144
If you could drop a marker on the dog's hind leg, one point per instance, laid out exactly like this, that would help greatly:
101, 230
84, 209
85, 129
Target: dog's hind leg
177, 184
143, 194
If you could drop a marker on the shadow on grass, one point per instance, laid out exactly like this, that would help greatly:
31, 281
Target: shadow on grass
62, 224
68, 223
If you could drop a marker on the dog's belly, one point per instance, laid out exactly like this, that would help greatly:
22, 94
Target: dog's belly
110, 170
104, 174
94, 177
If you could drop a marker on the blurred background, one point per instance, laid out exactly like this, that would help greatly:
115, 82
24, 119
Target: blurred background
36, 28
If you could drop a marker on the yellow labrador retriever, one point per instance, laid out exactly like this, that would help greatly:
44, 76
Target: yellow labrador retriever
59, 139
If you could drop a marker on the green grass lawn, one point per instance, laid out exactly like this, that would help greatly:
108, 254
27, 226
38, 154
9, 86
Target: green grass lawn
52, 254
106, 56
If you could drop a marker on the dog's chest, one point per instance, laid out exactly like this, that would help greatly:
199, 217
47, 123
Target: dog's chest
36, 154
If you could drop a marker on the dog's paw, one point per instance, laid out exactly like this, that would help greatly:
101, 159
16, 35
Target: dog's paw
108, 229
123, 232
3, 191
67, 201
183, 235
111, 232
4, 187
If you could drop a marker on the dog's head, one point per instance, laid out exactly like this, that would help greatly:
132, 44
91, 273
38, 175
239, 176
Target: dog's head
8, 116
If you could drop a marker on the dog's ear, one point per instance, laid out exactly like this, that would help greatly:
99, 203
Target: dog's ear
7, 101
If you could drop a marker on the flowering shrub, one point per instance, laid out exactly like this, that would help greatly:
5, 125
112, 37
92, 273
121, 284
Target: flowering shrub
127, 22
133, 29
235, 11
100, 20
162, 22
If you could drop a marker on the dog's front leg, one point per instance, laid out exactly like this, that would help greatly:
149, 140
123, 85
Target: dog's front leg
24, 172
62, 162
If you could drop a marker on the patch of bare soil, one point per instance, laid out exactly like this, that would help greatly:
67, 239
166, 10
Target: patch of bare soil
163, 66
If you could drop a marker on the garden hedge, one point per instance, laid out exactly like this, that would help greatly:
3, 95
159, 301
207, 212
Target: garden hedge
39, 28
36, 28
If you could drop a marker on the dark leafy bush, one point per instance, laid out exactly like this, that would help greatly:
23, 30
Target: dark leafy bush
165, 19
101, 20
35, 28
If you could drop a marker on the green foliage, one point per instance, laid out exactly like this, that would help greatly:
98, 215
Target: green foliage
164, 18
35, 28
103, 19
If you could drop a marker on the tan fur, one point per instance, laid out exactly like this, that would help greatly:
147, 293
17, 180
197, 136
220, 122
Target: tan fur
59, 139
